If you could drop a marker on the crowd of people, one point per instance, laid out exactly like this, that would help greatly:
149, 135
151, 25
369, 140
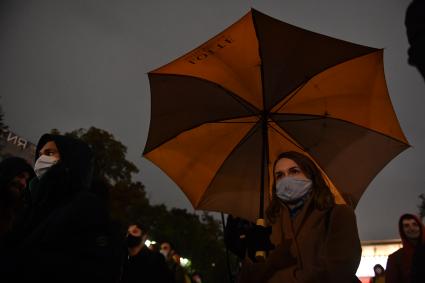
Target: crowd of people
313, 239
55, 227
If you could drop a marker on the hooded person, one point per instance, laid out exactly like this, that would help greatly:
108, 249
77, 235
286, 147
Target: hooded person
399, 264
63, 166
15, 174
67, 234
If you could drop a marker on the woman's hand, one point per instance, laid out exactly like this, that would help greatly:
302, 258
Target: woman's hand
252, 272
281, 257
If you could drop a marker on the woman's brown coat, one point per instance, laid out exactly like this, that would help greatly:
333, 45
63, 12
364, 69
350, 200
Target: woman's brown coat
316, 246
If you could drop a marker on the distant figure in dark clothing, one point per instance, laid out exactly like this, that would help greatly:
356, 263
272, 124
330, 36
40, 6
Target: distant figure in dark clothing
196, 278
415, 26
143, 264
15, 174
66, 237
399, 264
172, 259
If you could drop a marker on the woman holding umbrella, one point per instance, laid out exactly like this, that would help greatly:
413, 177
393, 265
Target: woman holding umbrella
316, 239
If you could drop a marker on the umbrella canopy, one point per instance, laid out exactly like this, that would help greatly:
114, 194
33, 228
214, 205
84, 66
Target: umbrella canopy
223, 112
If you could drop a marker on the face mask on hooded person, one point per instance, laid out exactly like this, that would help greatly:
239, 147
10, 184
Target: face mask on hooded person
133, 241
49, 156
43, 164
165, 249
291, 189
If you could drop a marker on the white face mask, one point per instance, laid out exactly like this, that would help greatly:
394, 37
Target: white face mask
290, 189
43, 164
164, 253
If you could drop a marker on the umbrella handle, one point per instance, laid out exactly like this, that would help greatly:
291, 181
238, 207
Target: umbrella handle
260, 255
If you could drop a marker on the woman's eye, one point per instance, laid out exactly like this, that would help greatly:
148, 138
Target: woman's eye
294, 172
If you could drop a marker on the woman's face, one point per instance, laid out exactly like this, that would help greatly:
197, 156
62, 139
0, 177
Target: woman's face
287, 167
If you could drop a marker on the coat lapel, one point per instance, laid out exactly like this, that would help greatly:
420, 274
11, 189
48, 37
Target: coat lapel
302, 216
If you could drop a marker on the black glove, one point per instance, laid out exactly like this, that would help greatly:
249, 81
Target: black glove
235, 235
258, 239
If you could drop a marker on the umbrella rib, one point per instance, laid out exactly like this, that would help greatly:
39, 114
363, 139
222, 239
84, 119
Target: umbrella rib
245, 104
318, 117
198, 125
299, 120
242, 141
241, 101
293, 94
223, 122
286, 138
299, 87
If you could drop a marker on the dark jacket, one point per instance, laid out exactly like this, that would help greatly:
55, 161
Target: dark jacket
316, 246
418, 264
67, 236
146, 266
12, 204
399, 264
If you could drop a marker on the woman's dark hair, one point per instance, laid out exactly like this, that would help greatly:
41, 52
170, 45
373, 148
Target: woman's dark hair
321, 193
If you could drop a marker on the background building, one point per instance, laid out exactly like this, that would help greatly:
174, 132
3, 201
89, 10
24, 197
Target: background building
374, 252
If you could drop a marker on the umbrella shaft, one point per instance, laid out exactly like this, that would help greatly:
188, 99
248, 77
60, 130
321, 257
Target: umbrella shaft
264, 156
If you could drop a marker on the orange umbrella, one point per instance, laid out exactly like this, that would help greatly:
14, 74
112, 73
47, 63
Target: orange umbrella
223, 112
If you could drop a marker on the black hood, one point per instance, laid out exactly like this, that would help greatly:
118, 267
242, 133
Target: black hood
76, 158
12, 167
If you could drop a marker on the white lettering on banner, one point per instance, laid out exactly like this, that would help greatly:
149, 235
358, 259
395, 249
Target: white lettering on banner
22, 143
16, 140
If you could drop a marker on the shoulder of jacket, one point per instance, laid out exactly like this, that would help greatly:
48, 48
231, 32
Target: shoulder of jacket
395, 254
341, 213
343, 209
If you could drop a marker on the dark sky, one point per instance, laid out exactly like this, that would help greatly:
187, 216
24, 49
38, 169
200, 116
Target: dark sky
75, 64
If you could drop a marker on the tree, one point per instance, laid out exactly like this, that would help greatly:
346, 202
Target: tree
198, 238
109, 155
3, 127
128, 202
422, 206
113, 174
1, 119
